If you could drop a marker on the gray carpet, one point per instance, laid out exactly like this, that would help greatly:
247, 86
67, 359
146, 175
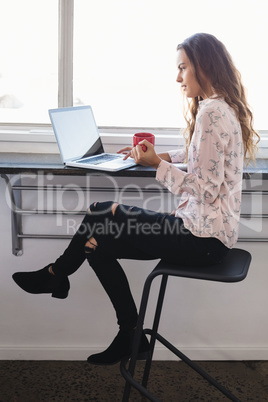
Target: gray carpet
66, 381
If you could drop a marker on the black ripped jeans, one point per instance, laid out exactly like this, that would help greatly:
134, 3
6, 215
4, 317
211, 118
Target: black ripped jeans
132, 233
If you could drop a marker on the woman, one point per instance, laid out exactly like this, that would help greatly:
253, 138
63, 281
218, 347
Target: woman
205, 224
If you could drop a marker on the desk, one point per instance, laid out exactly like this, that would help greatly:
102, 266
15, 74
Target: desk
14, 166
14, 163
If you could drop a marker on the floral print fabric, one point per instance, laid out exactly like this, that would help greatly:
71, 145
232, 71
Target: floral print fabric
211, 188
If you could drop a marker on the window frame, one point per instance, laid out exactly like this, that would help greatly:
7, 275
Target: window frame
65, 53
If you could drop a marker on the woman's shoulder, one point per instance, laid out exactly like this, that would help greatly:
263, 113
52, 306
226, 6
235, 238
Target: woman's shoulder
215, 103
216, 106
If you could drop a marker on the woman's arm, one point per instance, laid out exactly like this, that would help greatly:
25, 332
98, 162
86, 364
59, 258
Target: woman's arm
165, 156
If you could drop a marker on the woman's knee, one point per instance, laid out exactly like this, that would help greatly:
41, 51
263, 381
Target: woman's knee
91, 245
92, 207
103, 206
114, 206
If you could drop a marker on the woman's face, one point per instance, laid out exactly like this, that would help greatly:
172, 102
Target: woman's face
186, 77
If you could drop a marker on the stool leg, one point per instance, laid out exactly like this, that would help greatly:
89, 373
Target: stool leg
137, 336
157, 316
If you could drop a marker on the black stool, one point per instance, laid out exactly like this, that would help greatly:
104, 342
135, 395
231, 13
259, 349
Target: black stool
234, 268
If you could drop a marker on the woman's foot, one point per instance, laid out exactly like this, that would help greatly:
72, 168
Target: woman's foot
120, 348
43, 281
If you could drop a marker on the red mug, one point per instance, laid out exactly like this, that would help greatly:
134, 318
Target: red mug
138, 137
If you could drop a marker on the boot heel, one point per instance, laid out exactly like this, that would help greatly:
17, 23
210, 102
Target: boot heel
59, 295
61, 291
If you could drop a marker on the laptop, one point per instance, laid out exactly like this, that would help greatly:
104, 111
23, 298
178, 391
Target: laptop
79, 141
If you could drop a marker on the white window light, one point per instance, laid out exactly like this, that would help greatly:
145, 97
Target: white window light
123, 57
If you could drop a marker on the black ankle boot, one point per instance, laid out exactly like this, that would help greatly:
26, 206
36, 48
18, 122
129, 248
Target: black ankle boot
120, 348
43, 281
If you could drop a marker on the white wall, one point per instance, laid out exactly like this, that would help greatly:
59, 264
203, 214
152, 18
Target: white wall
204, 319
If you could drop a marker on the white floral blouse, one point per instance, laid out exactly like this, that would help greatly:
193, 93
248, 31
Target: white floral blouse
211, 188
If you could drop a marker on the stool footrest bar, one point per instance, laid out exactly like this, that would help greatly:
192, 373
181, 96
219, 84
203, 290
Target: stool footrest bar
144, 391
193, 365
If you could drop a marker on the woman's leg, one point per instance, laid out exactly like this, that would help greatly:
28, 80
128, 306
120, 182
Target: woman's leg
115, 283
74, 255
135, 233
53, 278
108, 232
110, 241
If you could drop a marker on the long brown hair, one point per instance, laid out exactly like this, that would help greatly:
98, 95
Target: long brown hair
209, 56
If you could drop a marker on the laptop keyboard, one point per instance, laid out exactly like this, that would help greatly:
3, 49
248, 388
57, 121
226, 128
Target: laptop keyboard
95, 160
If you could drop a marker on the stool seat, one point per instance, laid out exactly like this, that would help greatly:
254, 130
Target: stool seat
233, 268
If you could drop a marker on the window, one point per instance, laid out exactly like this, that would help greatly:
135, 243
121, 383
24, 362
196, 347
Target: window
124, 56
125, 53
29, 60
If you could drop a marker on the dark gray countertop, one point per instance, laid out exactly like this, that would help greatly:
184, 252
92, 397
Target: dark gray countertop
15, 163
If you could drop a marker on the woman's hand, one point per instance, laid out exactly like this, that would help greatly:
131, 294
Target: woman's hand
126, 151
141, 157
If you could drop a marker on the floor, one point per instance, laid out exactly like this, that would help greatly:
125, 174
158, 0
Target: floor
170, 381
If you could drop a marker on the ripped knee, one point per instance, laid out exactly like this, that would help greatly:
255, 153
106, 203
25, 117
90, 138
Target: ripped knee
89, 210
113, 207
91, 245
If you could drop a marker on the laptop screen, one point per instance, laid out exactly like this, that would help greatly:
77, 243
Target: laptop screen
76, 132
